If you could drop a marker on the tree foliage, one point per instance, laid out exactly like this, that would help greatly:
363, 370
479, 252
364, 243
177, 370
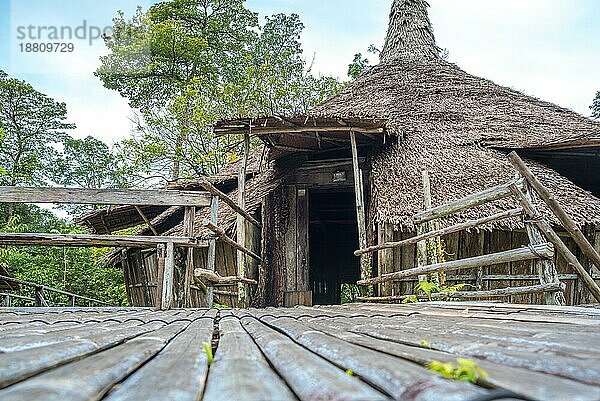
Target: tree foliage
184, 64
31, 124
75, 270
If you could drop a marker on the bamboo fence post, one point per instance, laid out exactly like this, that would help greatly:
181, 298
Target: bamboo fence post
551, 235
365, 260
188, 231
6, 301
431, 243
565, 220
169, 270
212, 249
243, 290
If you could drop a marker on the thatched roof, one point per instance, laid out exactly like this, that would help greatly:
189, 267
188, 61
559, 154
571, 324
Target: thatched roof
453, 124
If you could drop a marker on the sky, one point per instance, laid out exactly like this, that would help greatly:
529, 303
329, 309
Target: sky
546, 48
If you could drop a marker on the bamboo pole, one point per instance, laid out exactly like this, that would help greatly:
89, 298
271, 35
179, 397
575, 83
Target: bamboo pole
551, 235
93, 240
212, 248
243, 290
365, 262
167, 289
220, 233
468, 202
142, 215
566, 221
210, 188
188, 231
444, 231
512, 255
498, 292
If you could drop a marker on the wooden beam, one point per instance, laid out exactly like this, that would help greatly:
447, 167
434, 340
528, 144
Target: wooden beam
43, 288
212, 249
243, 290
216, 279
168, 277
135, 197
565, 220
210, 188
512, 255
504, 292
365, 261
498, 292
551, 235
142, 215
258, 130
93, 240
444, 231
223, 237
468, 202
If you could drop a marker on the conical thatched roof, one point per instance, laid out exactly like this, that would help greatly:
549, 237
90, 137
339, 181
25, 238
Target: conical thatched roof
453, 124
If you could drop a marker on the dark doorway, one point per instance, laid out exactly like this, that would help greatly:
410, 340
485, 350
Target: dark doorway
333, 236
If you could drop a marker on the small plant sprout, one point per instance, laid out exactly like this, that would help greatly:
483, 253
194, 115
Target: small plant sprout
209, 353
350, 372
465, 370
425, 344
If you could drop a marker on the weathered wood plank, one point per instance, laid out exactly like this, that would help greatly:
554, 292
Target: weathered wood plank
239, 364
184, 357
521, 381
212, 249
470, 201
533, 252
223, 237
94, 240
135, 197
168, 277
92, 377
365, 260
398, 378
311, 377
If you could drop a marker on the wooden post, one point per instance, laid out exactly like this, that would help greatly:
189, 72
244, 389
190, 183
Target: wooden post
428, 226
188, 231
565, 220
73, 300
545, 267
385, 259
6, 301
160, 273
39, 297
212, 249
167, 290
549, 233
365, 260
243, 290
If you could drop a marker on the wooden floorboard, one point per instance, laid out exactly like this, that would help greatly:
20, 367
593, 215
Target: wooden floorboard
351, 352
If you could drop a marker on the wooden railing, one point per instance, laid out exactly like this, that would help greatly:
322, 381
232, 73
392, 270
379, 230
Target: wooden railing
40, 297
543, 240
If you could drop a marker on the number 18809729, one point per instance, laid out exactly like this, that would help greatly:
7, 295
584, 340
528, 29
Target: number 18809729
50, 47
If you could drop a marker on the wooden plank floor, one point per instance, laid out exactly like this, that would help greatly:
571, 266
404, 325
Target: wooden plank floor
534, 352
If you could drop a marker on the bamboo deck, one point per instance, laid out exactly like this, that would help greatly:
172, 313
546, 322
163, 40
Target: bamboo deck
303, 353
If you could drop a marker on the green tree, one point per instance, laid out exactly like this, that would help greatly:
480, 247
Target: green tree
358, 66
75, 270
186, 63
31, 123
596, 106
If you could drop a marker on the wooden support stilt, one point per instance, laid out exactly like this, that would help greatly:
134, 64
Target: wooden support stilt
161, 252
212, 249
188, 231
365, 260
169, 271
243, 290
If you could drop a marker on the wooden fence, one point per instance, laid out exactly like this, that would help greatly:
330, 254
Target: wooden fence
543, 241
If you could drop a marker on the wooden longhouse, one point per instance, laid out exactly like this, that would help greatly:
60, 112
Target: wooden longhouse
348, 174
